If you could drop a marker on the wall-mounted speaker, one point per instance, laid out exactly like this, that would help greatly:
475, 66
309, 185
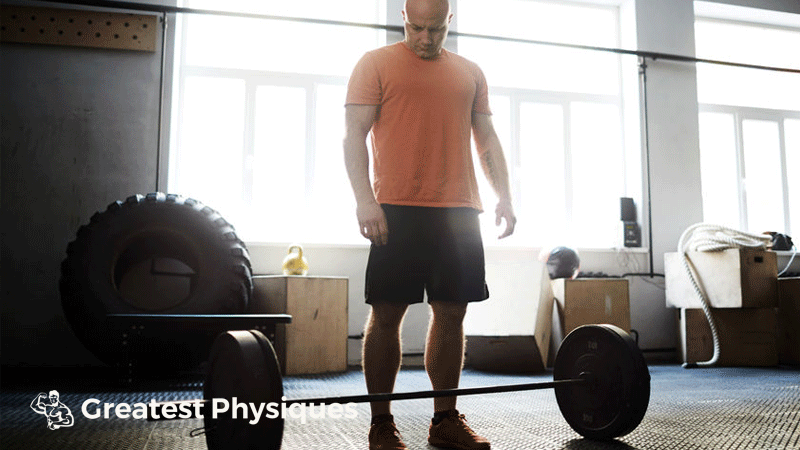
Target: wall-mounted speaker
632, 234
627, 209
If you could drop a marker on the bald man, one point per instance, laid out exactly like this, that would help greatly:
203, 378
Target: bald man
421, 105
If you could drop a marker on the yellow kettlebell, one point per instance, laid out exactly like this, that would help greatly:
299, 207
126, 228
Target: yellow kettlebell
294, 263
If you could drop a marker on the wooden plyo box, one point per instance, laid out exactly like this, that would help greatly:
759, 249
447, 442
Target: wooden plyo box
747, 336
316, 340
517, 353
586, 301
507, 354
733, 278
789, 320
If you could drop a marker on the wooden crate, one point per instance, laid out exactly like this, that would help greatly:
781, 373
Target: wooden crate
747, 336
517, 353
733, 278
586, 301
789, 320
316, 340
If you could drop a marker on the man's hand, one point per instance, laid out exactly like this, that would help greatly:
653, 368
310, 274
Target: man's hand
372, 223
505, 211
494, 166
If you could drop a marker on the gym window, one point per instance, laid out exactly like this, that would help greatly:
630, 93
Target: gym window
749, 119
259, 116
558, 112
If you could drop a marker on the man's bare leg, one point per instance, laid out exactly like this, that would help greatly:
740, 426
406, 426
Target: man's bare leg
381, 356
444, 350
444, 358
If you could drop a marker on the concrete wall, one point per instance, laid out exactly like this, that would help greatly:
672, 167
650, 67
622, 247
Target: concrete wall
674, 156
79, 130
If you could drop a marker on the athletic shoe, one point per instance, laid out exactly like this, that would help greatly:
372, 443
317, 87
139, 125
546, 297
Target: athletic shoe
384, 436
453, 432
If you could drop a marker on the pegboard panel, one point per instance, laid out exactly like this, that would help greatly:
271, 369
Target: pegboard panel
34, 25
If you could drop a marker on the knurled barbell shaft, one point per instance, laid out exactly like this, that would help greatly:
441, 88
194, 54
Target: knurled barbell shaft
385, 397
433, 393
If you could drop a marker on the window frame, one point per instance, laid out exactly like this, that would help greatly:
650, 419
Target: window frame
519, 95
253, 79
710, 13
740, 114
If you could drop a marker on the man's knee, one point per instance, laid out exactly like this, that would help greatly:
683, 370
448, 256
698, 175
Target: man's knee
387, 316
448, 312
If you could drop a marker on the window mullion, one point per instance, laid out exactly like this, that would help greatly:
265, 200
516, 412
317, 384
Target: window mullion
311, 141
568, 181
784, 175
248, 141
175, 149
742, 175
624, 149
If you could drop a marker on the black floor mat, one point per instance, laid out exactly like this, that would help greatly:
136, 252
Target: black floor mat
724, 408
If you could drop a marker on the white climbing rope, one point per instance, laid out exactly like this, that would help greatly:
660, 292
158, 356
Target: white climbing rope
705, 237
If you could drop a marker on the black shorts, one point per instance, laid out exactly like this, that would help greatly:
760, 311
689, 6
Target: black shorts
433, 250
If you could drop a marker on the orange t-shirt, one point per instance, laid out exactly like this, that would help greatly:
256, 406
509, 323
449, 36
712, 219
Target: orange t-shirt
421, 137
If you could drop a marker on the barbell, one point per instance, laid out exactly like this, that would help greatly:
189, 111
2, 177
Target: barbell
601, 382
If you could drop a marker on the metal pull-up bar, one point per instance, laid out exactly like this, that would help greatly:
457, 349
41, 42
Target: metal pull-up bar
168, 9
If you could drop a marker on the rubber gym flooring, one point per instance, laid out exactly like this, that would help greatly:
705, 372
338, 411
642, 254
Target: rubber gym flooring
718, 408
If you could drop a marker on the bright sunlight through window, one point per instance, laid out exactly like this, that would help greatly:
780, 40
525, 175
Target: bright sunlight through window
260, 118
748, 125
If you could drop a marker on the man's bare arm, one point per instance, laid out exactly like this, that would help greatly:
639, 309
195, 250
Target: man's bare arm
493, 162
371, 220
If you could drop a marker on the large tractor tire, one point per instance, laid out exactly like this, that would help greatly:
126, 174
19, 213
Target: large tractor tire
153, 254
